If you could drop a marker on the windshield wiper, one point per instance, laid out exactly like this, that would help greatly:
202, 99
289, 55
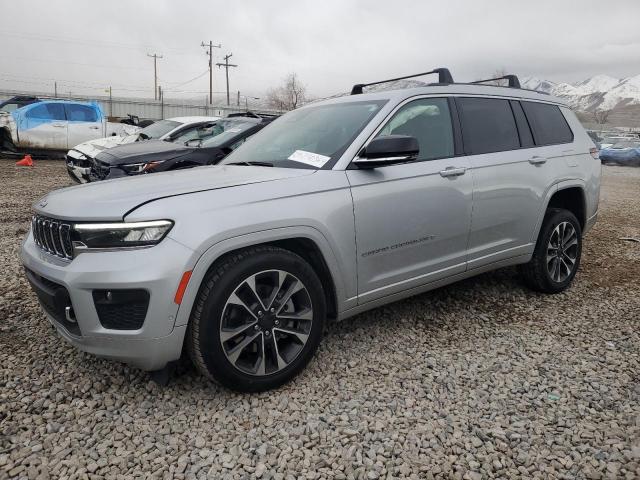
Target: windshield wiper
254, 164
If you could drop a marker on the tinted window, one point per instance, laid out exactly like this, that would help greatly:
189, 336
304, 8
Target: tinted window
526, 139
548, 124
47, 111
81, 113
429, 121
487, 125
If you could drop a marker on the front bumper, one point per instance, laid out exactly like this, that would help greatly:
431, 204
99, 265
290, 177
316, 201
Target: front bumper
157, 270
78, 174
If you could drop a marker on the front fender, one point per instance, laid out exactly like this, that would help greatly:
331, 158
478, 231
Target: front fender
215, 251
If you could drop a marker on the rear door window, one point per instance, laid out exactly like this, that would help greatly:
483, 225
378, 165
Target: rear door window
80, 113
488, 125
547, 123
47, 111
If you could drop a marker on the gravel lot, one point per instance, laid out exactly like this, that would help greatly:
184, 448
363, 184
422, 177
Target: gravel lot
482, 379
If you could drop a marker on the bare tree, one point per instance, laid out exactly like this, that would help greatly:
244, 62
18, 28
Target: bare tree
288, 96
601, 116
500, 72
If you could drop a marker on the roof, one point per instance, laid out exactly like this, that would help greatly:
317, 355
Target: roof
450, 89
193, 119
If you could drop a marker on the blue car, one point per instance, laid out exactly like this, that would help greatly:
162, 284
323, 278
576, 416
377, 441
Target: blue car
622, 153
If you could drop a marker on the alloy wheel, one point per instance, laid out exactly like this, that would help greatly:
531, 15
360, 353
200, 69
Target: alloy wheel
266, 322
562, 252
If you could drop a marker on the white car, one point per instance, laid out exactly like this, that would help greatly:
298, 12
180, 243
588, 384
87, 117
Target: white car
80, 157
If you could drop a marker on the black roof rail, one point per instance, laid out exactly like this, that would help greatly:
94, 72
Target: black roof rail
512, 79
444, 77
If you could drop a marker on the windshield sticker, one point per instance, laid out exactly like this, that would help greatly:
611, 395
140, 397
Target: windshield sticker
310, 158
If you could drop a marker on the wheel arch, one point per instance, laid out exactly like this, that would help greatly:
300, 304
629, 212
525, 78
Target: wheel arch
569, 194
305, 241
573, 199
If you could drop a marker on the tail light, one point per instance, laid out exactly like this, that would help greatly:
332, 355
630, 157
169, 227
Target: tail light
594, 153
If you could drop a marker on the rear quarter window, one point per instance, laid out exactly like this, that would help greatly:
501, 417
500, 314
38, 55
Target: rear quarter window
80, 113
547, 123
488, 125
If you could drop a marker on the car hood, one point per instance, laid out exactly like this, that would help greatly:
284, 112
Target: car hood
149, 150
111, 200
94, 147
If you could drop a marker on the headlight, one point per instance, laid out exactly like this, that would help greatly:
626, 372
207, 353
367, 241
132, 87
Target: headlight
133, 167
140, 167
119, 235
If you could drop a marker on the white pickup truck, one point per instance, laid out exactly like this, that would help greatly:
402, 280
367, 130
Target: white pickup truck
54, 126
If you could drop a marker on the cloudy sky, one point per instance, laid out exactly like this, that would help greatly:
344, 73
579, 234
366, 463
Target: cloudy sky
331, 44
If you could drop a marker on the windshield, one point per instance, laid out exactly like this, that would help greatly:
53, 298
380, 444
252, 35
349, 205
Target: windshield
158, 129
225, 130
198, 132
309, 137
9, 107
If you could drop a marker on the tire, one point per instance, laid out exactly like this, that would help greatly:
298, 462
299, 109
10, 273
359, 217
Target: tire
228, 325
5, 141
550, 270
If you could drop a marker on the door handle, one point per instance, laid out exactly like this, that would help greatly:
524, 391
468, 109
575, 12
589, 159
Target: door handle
452, 172
94, 127
537, 160
58, 125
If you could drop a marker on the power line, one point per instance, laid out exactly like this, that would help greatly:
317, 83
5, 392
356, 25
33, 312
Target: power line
98, 43
226, 66
189, 81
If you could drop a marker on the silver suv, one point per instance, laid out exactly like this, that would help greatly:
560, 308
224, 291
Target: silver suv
335, 208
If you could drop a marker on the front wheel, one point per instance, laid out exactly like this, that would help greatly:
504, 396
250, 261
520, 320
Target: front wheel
556, 257
258, 319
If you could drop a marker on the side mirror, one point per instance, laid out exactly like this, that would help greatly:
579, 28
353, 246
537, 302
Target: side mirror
194, 142
388, 150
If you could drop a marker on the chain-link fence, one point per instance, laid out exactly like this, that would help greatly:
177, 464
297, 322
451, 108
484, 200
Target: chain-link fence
151, 109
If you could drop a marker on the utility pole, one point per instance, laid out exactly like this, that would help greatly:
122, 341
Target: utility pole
238, 97
226, 66
55, 89
110, 103
155, 57
210, 53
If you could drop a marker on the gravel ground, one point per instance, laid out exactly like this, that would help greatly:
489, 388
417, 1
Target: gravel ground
482, 379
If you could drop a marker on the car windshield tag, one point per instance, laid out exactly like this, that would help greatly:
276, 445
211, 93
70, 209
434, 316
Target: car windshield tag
310, 158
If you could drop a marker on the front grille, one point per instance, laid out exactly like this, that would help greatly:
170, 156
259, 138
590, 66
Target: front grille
99, 170
121, 309
52, 236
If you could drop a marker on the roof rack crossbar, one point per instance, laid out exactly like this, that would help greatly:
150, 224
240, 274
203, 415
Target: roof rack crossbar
512, 79
444, 77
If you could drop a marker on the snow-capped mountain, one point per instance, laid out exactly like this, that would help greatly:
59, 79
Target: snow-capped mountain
600, 92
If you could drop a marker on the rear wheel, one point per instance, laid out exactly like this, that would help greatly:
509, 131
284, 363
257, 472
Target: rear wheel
258, 319
556, 257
